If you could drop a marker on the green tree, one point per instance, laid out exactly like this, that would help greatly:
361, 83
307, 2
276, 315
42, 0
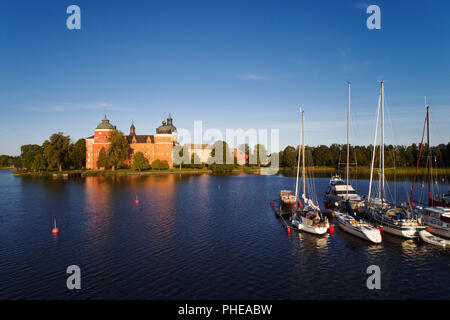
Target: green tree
156, 164
139, 162
221, 159
28, 152
164, 165
195, 162
289, 157
118, 149
39, 163
261, 154
78, 154
102, 161
57, 151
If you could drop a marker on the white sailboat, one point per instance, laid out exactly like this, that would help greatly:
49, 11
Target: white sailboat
399, 221
345, 215
338, 191
437, 215
308, 218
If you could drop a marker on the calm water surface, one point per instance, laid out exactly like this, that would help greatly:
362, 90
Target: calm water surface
194, 237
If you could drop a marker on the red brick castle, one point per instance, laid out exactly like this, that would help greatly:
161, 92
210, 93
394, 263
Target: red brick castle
157, 146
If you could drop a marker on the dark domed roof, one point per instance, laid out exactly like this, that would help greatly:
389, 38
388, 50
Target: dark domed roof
166, 128
105, 124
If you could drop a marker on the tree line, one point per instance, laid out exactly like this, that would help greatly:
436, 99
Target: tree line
56, 153
335, 155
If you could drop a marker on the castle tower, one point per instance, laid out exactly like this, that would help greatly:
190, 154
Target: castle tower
132, 130
165, 139
99, 140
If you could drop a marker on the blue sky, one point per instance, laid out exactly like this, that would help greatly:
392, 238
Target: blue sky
231, 64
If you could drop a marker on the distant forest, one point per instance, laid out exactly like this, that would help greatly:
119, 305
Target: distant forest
398, 156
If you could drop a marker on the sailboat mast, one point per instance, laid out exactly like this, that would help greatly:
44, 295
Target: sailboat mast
382, 140
303, 154
298, 171
429, 162
348, 133
374, 150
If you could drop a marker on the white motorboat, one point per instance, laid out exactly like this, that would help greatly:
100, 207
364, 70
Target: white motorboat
337, 193
357, 228
429, 238
438, 220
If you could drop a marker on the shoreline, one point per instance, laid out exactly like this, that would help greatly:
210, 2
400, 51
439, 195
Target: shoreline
401, 171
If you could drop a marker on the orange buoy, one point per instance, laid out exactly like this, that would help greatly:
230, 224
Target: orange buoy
271, 203
288, 229
55, 230
331, 229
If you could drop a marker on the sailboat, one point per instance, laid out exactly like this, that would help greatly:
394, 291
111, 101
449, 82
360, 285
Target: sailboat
338, 191
346, 217
437, 215
307, 217
400, 221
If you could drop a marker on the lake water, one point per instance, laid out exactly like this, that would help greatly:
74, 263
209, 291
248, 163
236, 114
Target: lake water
194, 237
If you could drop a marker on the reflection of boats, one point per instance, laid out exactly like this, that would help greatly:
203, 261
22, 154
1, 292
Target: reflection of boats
395, 220
309, 218
429, 238
287, 199
438, 220
357, 228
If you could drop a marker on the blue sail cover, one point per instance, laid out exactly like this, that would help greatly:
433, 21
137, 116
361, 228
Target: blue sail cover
350, 210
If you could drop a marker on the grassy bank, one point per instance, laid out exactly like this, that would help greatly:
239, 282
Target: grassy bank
101, 173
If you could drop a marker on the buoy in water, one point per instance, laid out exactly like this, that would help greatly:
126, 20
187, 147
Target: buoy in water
137, 200
331, 229
288, 229
423, 186
55, 230
300, 204
271, 203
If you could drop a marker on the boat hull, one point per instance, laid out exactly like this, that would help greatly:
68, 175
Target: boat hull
364, 232
429, 238
405, 230
310, 229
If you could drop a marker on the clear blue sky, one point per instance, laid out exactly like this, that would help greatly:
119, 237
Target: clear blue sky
231, 64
